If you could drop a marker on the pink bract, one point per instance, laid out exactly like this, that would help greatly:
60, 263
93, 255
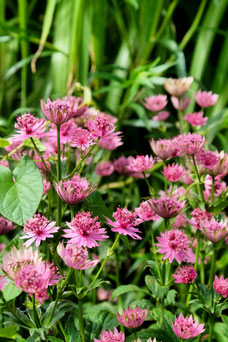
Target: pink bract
105, 168
85, 231
196, 119
173, 172
27, 126
81, 139
166, 206
190, 143
178, 86
186, 328
59, 111
101, 127
133, 318
199, 215
145, 212
140, 163
206, 99
109, 336
155, 103
220, 286
185, 275
110, 142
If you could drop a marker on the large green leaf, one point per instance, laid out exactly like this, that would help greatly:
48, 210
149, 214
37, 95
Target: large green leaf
21, 190
10, 292
127, 288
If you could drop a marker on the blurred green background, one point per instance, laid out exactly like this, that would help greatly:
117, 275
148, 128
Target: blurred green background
120, 49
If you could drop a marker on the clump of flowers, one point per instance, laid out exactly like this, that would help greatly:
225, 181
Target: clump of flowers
173, 172
186, 328
107, 336
145, 212
220, 286
140, 163
101, 127
166, 206
105, 168
156, 103
81, 139
133, 318
185, 274
214, 230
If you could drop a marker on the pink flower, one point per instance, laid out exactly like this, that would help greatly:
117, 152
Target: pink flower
214, 230
3, 282
190, 143
38, 229
221, 168
81, 139
121, 165
133, 318
196, 119
124, 223
72, 100
156, 103
185, 274
101, 127
180, 103
219, 187
145, 212
140, 163
206, 99
180, 221
75, 256
186, 177
186, 328
166, 206
161, 116
207, 159
85, 231
199, 215
164, 148
178, 86
110, 142
105, 168
59, 111
27, 126
175, 245
220, 286
109, 336
173, 172
67, 130
46, 186
74, 190
6, 225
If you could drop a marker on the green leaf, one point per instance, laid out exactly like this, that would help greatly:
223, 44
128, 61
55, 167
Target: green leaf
125, 241
99, 282
221, 330
127, 288
97, 206
8, 331
103, 320
170, 299
4, 142
20, 199
157, 290
38, 143
10, 292
53, 339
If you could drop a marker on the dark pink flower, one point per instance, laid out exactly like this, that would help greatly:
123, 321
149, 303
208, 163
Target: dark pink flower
221, 168
196, 119
72, 100
81, 139
59, 111
121, 165
140, 163
164, 148
155, 103
145, 212
178, 86
124, 223
109, 336
199, 215
185, 275
173, 172
161, 116
206, 99
220, 286
186, 328
105, 168
190, 143
207, 159
27, 126
6, 225
101, 127
85, 231
133, 318
166, 206
180, 103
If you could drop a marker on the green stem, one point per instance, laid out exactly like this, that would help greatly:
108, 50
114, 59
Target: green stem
155, 254
151, 190
199, 187
68, 159
22, 14
63, 331
71, 212
10, 309
59, 203
80, 307
181, 120
189, 296
212, 270
36, 317
210, 322
39, 153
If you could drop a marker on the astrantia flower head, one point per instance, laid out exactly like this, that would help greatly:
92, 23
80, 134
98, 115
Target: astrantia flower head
140, 163
59, 111
220, 286
3, 282
6, 225
145, 212
124, 223
178, 86
85, 231
38, 229
180, 103
221, 168
100, 127
27, 126
161, 116
185, 274
175, 245
155, 103
214, 230
180, 221
109, 336
121, 165
206, 99
186, 328
110, 142
74, 190
166, 206
207, 159
190, 143
173, 172
75, 256
133, 318
72, 100
105, 168
199, 215
196, 119
81, 139
164, 148
219, 187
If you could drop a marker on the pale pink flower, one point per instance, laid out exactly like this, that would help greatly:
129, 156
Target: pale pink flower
206, 99
104, 295
3, 282
173, 172
124, 223
180, 103
219, 187
38, 229
178, 86
110, 142
190, 143
59, 111
161, 116
207, 159
133, 318
145, 212
214, 230
113, 119
196, 119
186, 177
75, 256
6, 225
221, 168
4, 163
101, 127
199, 215
67, 130
81, 139
186, 328
155, 103
180, 221
105, 168
164, 148
174, 244
74, 190
220, 286
85, 231
185, 275
166, 206
27, 126
72, 100
140, 163
109, 336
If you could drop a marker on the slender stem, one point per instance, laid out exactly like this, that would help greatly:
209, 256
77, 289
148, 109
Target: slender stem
71, 212
200, 190
155, 254
151, 190
39, 153
22, 14
36, 317
189, 296
213, 190
10, 309
59, 203
80, 305
181, 121
210, 322
68, 159
63, 331
212, 270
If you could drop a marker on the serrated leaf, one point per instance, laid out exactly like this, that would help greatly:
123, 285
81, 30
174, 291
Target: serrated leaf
157, 290
103, 320
170, 298
127, 288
